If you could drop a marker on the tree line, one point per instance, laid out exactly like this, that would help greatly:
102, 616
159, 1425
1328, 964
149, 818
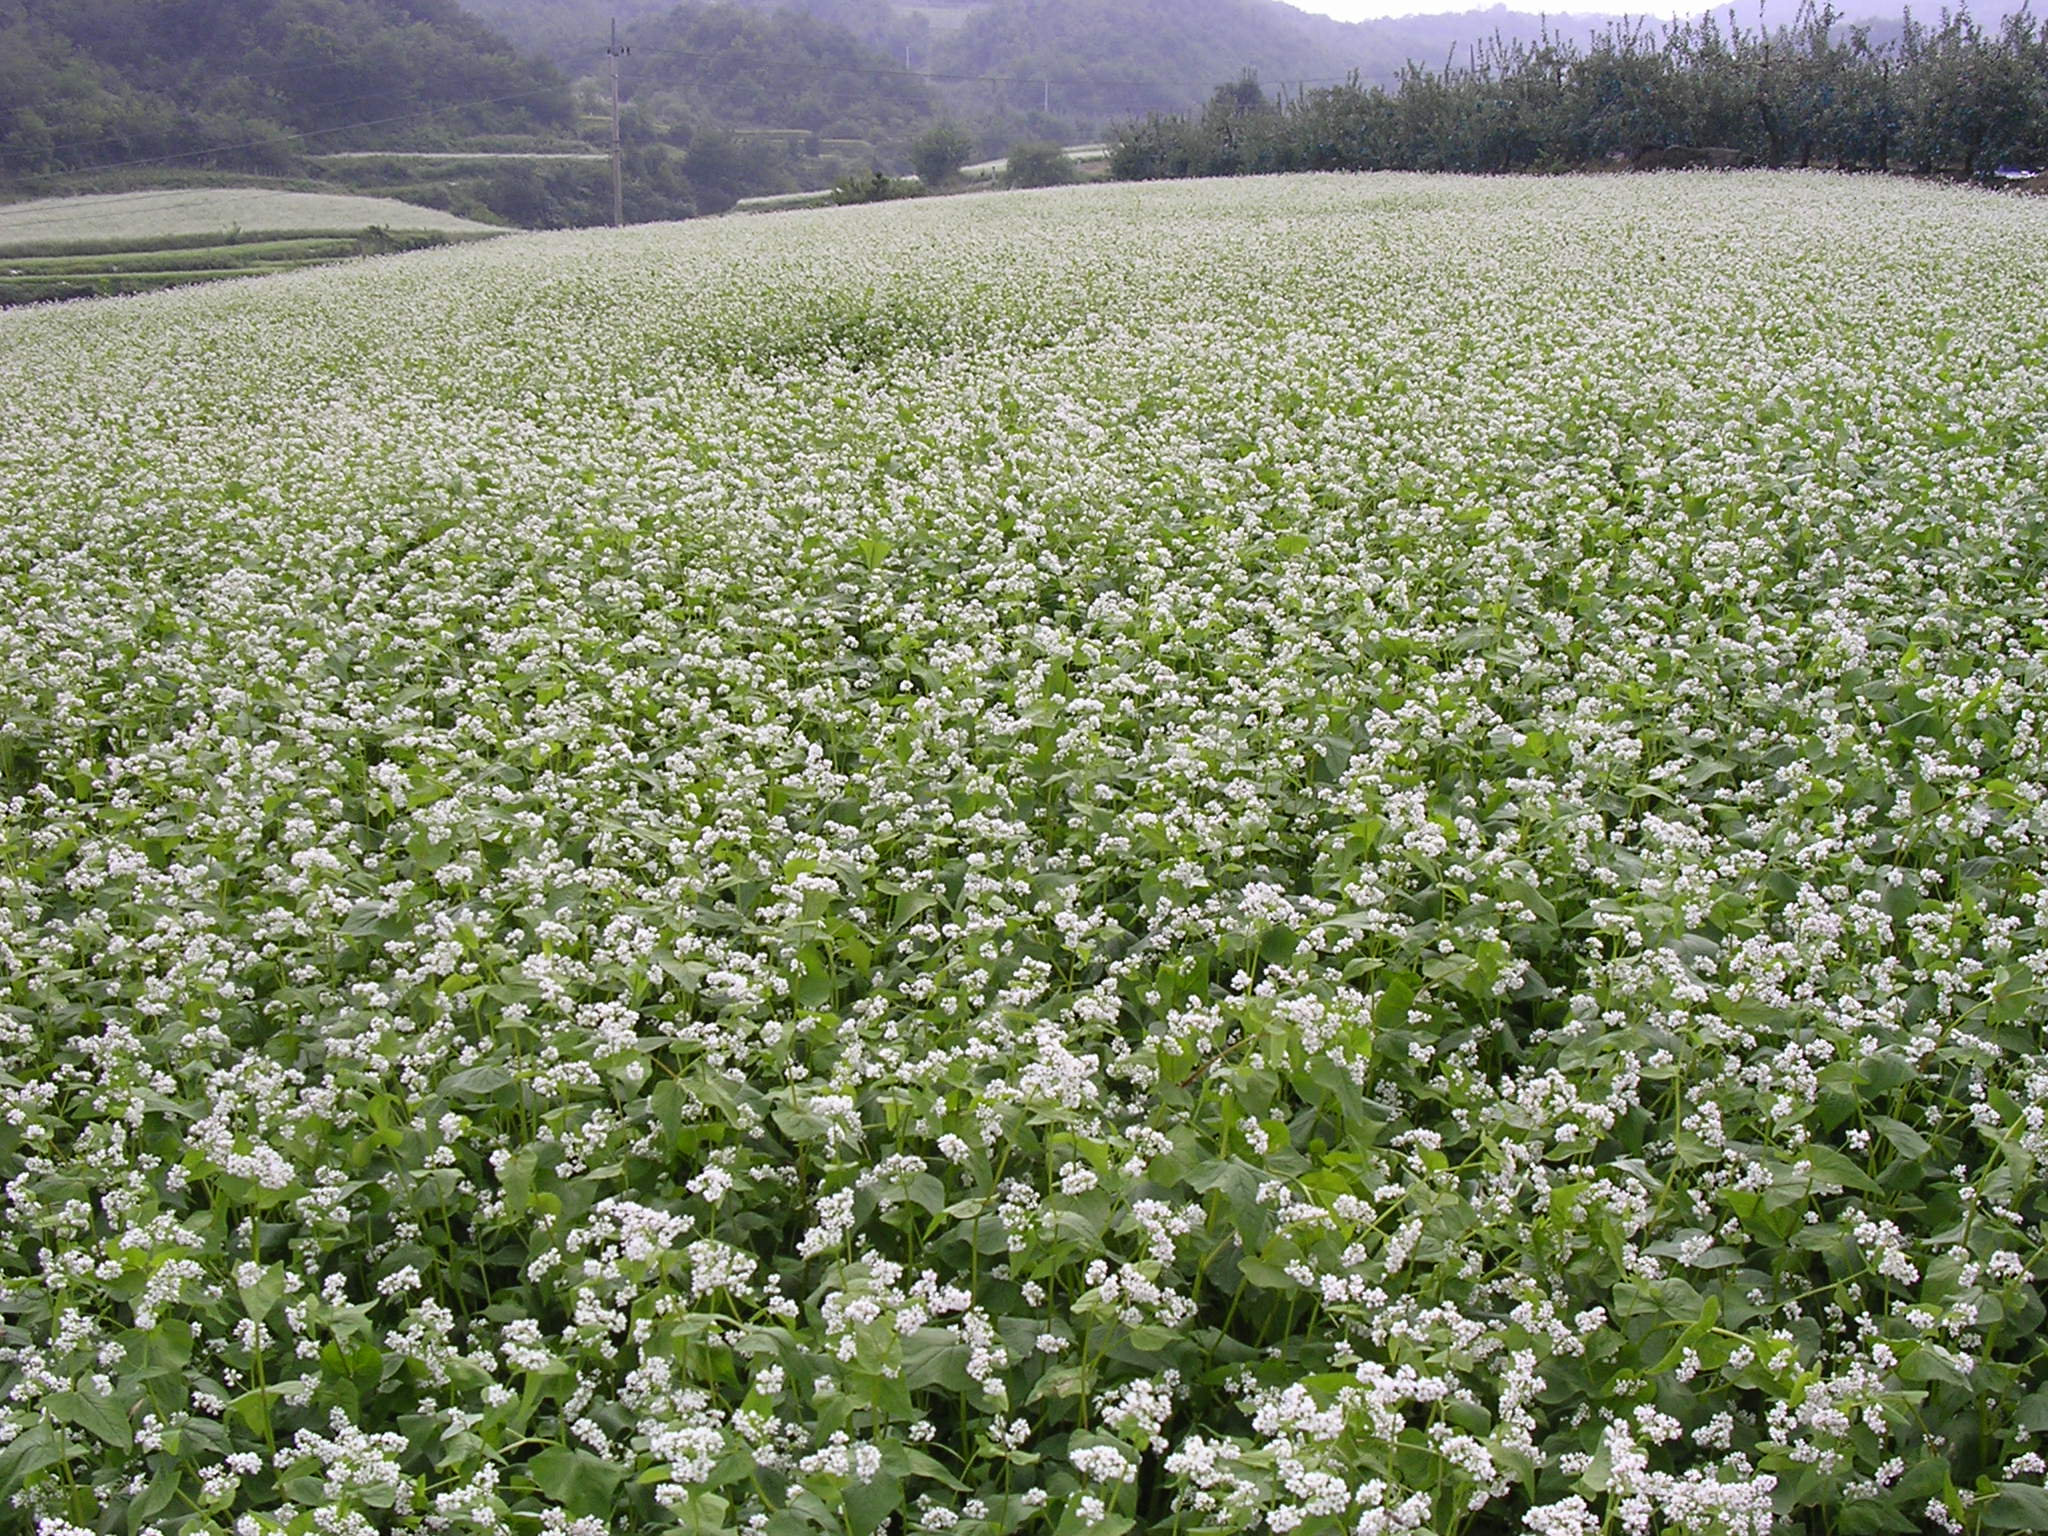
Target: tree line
1951, 98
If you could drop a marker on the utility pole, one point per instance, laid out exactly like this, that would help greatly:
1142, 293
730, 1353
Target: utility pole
1048, 96
618, 159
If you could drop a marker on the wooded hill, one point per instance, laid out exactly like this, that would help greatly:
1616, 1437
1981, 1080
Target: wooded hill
736, 67
252, 84
572, 33
1010, 69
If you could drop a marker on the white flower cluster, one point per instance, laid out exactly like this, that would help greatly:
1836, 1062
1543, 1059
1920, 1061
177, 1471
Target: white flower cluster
1322, 855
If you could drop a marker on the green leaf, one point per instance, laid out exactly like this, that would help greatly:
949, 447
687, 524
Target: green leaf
476, 1082
1710, 1314
515, 1178
365, 917
1113, 1525
1905, 1141
1390, 1008
2016, 1507
1925, 1479
258, 1299
576, 1480
93, 1413
871, 1505
687, 974
1268, 1276
935, 1357
1868, 1519
1063, 1381
918, 1464
1932, 1363
163, 1488
1831, 1171
28, 1453
706, 1515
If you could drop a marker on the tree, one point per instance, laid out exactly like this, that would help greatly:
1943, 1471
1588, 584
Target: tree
1039, 163
940, 152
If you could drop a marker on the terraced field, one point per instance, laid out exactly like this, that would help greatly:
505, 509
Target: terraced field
1321, 855
132, 242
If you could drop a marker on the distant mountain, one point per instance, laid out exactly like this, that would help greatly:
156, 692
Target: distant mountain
251, 83
1105, 59
1117, 58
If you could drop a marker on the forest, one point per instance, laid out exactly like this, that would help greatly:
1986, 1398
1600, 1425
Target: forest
250, 85
1953, 98
793, 73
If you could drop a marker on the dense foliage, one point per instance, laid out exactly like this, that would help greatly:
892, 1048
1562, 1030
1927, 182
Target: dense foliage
939, 153
1318, 855
729, 66
88, 83
573, 33
1039, 163
1949, 98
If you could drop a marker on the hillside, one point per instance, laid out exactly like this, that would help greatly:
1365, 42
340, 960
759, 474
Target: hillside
249, 84
735, 67
1104, 59
573, 33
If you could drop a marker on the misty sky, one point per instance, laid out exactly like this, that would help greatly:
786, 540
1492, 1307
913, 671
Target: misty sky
1362, 10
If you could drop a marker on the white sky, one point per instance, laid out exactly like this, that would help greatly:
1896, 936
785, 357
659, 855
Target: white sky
1748, 12
1367, 10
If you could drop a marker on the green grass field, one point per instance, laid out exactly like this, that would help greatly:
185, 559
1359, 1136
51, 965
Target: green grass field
1328, 855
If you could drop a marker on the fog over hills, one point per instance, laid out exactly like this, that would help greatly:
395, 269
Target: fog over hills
1036, 68
1103, 57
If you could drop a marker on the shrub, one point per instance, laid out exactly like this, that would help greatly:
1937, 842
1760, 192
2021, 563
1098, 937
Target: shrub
872, 187
939, 154
1040, 163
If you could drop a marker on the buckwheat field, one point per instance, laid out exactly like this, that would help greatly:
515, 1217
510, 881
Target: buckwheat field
1325, 855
